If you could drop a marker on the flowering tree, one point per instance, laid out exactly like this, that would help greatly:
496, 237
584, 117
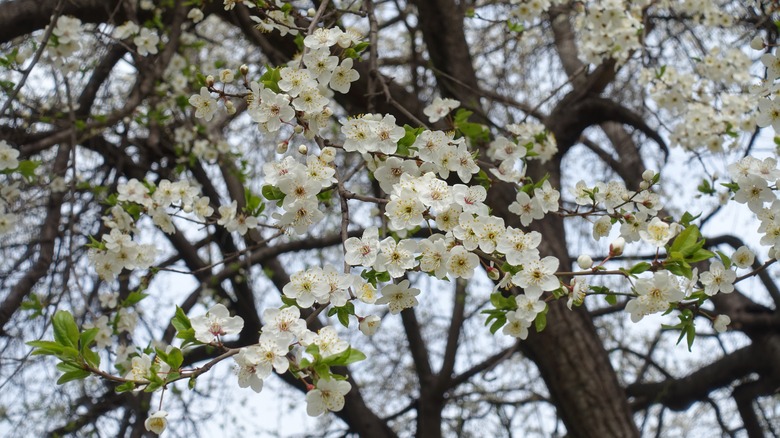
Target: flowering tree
428, 216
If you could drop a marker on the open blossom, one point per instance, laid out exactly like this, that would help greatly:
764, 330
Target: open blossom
327, 396
396, 257
538, 276
343, 76
743, 257
369, 325
216, 322
440, 108
515, 325
654, 295
718, 279
363, 251
205, 105
146, 41
156, 423
8, 156
306, 287
247, 370
528, 208
658, 232
461, 263
399, 296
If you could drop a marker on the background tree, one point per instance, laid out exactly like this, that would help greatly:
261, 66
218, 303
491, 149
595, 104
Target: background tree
100, 93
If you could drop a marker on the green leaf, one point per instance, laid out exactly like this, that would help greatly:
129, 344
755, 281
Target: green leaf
498, 323
639, 268
125, 387
180, 320
66, 332
699, 255
88, 337
270, 79
92, 358
27, 169
175, 358
725, 259
346, 357
73, 375
272, 193
408, 139
541, 320
611, 299
133, 298
686, 239
46, 348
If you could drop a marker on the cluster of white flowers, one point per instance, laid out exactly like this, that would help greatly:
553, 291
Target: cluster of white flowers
610, 29
531, 142
9, 192
67, 32
145, 39
707, 116
118, 250
282, 342
300, 185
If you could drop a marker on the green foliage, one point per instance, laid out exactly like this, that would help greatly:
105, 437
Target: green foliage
475, 132
343, 313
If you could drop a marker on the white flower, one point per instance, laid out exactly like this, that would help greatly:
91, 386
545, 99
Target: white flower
328, 396
195, 14
515, 326
205, 105
306, 287
654, 295
529, 209
248, 370
721, 322
718, 279
743, 257
146, 41
440, 108
369, 325
362, 252
329, 342
658, 232
538, 276
396, 257
140, 368
343, 76
156, 423
216, 322
461, 263
399, 296
584, 261
528, 308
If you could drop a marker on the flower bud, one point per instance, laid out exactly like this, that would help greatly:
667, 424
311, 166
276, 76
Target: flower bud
298, 129
493, 273
303, 149
311, 12
617, 246
720, 323
231, 109
210, 81
648, 175
281, 147
369, 325
757, 43
584, 261
244, 69
644, 185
